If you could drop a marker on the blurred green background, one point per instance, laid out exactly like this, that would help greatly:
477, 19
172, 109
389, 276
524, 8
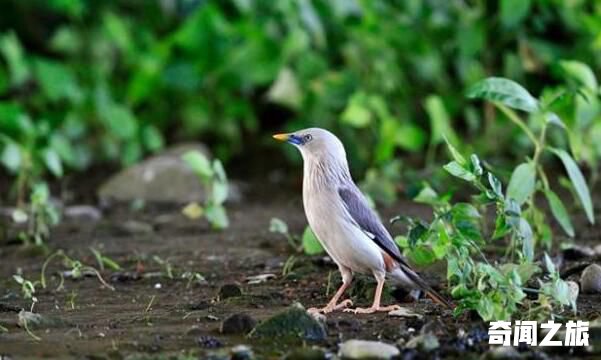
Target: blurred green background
84, 83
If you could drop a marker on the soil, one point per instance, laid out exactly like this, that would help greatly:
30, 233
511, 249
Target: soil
152, 315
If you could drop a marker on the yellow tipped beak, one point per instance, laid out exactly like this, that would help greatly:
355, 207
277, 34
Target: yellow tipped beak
281, 137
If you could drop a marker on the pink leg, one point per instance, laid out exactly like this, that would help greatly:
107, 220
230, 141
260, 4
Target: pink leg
380, 278
333, 305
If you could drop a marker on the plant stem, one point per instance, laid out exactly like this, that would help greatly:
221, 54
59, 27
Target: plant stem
519, 122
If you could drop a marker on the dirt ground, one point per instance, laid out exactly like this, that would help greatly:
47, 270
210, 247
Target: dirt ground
152, 315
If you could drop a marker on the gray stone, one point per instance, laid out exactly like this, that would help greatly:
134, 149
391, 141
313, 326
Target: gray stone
227, 291
133, 227
425, 342
501, 353
82, 213
590, 280
163, 178
406, 313
242, 352
293, 322
363, 349
574, 289
237, 324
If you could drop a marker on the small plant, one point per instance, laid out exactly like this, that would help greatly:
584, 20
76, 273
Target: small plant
40, 216
529, 178
307, 243
28, 289
166, 265
194, 277
104, 261
3, 329
76, 269
213, 178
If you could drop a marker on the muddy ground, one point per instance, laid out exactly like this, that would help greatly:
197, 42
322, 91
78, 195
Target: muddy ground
152, 315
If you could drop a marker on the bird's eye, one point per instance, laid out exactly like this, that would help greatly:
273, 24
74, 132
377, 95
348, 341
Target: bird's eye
307, 138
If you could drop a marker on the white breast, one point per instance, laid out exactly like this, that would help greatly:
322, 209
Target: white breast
346, 244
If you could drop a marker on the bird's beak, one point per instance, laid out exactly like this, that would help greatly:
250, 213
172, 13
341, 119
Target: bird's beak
281, 137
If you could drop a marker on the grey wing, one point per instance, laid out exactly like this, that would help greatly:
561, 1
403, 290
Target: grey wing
366, 219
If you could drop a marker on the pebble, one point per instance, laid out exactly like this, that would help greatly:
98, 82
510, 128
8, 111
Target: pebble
242, 352
426, 342
404, 312
82, 213
238, 324
590, 280
208, 342
227, 291
293, 322
363, 349
501, 353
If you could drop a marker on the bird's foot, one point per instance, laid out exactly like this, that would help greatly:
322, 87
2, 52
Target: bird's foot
373, 309
331, 307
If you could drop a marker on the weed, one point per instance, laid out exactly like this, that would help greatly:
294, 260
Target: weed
307, 243
166, 265
213, 178
40, 216
76, 269
104, 261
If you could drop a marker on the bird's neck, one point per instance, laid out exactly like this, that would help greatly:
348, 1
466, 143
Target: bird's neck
325, 173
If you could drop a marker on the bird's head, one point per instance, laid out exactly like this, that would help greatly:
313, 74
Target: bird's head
315, 143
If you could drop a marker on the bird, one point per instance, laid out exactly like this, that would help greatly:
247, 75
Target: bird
349, 230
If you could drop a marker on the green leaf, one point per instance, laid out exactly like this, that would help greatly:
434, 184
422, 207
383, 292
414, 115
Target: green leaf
219, 192
514, 11
311, 245
11, 49
57, 81
495, 185
454, 153
53, 162
152, 138
455, 169
578, 181
421, 256
217, 216
466, 219
559, 212
119, 120
549, 265
440, 122
277, 225
504, 91
429, 196
11, 156
581, 73
522, 183
199, 163
417, 233
357, 113
285, 90
527, 238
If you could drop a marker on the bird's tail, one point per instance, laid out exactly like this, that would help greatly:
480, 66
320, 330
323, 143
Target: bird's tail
408, 277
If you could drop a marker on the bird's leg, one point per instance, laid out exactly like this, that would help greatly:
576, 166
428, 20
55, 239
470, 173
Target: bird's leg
333, 305
375, 307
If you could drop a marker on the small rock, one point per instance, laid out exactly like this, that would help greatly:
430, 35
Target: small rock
258, 279
426, 342
404, 312
578, 252
597, 249
227, 291
34, 320
242, 352
306, 354
133, 227
82, 213
590, 280
363, 349
501, 353
293, 322
237, 324
208, 342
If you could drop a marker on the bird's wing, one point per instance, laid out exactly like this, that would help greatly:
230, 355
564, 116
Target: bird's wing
367, 220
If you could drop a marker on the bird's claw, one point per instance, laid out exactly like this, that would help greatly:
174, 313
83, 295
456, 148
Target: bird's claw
331, 307
371, 310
